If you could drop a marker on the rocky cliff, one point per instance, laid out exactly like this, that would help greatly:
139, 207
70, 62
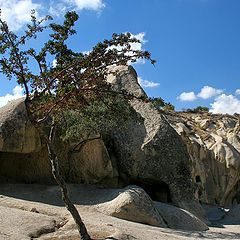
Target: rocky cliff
213, 143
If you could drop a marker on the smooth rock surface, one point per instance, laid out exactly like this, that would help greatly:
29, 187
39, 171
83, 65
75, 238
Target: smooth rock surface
24, 158
133, 204
178, 218
17, 134
91, 164
46, 199
18, 224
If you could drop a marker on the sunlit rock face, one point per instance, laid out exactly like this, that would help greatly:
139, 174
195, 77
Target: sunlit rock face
17, 134
213, 143
24, 157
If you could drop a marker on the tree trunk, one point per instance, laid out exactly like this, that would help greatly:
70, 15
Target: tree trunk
69, 205
49, 140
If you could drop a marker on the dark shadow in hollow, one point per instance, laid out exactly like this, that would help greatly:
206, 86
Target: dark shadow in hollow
158, 191
198, 179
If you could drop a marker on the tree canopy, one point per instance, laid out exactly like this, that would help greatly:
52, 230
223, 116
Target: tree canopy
76, 79
198, 109
160, 103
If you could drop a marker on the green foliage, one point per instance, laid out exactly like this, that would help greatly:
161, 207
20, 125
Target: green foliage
14, 60
77, 84
159, 103
168, 107
201, 109
73, 95
96, 118
198, 109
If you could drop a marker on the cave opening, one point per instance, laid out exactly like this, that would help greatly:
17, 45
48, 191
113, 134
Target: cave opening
198, 179
158, 191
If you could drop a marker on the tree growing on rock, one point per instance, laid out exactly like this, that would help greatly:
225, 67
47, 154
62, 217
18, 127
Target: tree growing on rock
159, 103
72, 96
198, 109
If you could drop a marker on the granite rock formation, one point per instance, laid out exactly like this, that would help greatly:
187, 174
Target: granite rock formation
23, 157
133, 203
213, 143
149, 154
17, 134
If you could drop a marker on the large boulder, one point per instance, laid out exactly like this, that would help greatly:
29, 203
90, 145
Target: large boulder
232, 217
152, 154
24, 158
91, 164
17, 134
178, 218
21, 156
213, 143
132, 203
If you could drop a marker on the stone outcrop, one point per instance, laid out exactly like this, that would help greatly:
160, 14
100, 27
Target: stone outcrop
213, 143
178, 218
47, 201
23, 157
133, 204
24, 225
17, 134
91, 164
151, 154
171, 155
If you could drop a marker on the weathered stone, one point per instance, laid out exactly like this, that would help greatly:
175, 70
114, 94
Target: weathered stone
17, 134
47, 200
213, 143
151, 152
133, 204
25, 167
24, 159
178, 218
18, 224
148, 154
91, 164
233, 216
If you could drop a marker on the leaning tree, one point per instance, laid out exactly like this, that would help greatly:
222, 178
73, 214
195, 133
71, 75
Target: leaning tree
71, 96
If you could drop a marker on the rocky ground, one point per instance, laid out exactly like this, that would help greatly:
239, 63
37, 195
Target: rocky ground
36, 212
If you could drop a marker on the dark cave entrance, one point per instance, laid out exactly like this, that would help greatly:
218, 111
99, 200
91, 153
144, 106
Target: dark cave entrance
198, 179
158, 191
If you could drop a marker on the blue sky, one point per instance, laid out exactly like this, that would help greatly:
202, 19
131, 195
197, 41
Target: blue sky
196, 44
